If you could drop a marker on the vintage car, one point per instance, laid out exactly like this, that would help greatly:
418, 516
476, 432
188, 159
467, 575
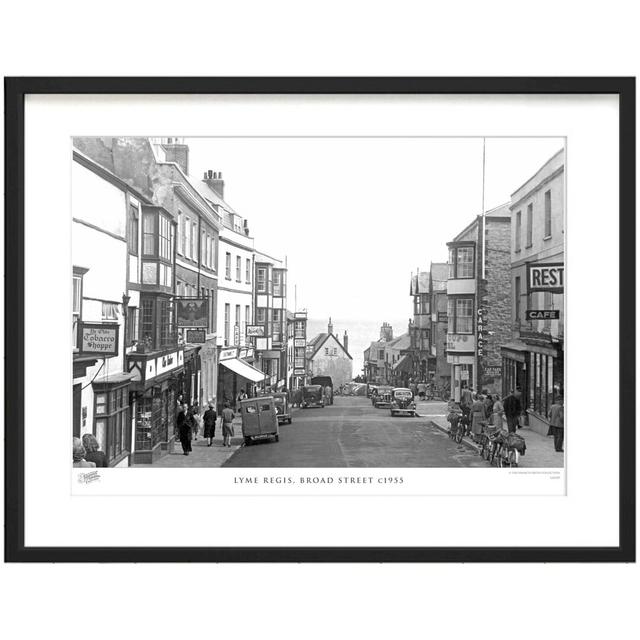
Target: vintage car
283, 408
312, 396
402, 402
259, 419
382, 398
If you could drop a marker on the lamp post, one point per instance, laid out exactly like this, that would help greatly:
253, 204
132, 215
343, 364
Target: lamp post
125, 306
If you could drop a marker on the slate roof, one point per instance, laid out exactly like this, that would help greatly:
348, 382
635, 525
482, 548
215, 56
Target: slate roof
316, 344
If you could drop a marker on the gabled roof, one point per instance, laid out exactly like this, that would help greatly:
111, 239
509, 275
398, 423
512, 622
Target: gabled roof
439, 276
420, 283
319, 340
401, 342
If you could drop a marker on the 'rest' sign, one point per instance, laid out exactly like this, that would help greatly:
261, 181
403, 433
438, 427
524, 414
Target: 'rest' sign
545, 277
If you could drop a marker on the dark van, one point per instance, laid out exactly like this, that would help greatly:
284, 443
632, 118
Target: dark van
312, 396
324, 381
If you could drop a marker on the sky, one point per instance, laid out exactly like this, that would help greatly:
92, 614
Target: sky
355, 217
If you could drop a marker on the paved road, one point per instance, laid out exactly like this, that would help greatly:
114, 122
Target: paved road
351, 433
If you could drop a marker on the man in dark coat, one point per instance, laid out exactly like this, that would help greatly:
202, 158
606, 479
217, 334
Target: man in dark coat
512, 411
184, 422
209, 418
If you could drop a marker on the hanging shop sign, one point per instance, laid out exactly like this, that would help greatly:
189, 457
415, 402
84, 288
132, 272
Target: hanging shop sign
98, 339
192, 312
442, 316
543, 314
547, 277
227, 354
299, 372
196, 336
236, 334
255, 331
493, 371
299, 342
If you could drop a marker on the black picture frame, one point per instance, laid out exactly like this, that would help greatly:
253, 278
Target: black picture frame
15, 91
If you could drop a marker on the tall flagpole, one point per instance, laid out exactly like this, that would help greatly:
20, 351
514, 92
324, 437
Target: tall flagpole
484, 239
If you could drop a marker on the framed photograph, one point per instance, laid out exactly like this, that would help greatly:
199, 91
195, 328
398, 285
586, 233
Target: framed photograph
338, 306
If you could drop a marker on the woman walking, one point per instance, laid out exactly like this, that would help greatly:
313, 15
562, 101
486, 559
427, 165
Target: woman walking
498, 412
227, 425
197, 420
210, 417
477, 415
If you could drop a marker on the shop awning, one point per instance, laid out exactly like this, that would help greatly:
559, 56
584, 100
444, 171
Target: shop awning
243, 369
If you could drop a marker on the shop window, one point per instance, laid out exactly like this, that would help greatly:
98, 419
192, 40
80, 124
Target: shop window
111, 420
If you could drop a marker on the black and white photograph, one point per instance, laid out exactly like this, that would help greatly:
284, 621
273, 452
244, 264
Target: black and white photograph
323, 302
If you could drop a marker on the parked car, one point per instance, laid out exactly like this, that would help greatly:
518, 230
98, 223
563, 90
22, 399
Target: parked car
312, 396
259, 419
283, 409
402, 402
382, 399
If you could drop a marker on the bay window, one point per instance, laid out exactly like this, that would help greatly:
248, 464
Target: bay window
460, 315
461, 262
158, 233
111, 424
262, 280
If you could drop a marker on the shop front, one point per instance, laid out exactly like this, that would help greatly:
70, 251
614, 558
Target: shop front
235, 375
537, 367
462, 358
155, 386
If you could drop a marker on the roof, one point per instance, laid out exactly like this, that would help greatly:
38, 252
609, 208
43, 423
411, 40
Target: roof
501, 211
401, 342
420, 283
317, 342
207, 192
439, 276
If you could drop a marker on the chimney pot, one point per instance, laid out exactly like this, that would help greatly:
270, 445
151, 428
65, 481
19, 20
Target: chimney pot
205, 175
210, 174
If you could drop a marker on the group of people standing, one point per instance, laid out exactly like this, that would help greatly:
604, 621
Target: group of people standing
483, 408
191, 421
86, 452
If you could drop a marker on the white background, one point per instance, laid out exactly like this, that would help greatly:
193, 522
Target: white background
366, 39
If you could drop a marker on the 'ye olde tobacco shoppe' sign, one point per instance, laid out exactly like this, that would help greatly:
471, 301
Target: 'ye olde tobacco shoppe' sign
98, 339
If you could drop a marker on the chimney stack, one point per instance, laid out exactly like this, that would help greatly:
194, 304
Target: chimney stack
214, 181
346, 342
177, 152
330, 326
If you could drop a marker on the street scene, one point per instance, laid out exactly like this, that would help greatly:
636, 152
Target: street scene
204, 338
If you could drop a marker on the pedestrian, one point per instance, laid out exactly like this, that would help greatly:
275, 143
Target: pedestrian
93, 453
422, 389
512, 410
488, 404
466, 400
227, 425
197, 420
497, 412
328, 394
79, 454
184, 422
298, 397
521, 416
556, 424
209, 419
477, 415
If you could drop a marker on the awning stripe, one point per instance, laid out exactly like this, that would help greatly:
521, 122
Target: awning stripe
243, 369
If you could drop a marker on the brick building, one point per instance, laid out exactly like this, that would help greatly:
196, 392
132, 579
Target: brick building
479, 309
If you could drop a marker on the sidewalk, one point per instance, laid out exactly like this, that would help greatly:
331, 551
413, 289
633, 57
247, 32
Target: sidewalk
539, 454
202, 455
